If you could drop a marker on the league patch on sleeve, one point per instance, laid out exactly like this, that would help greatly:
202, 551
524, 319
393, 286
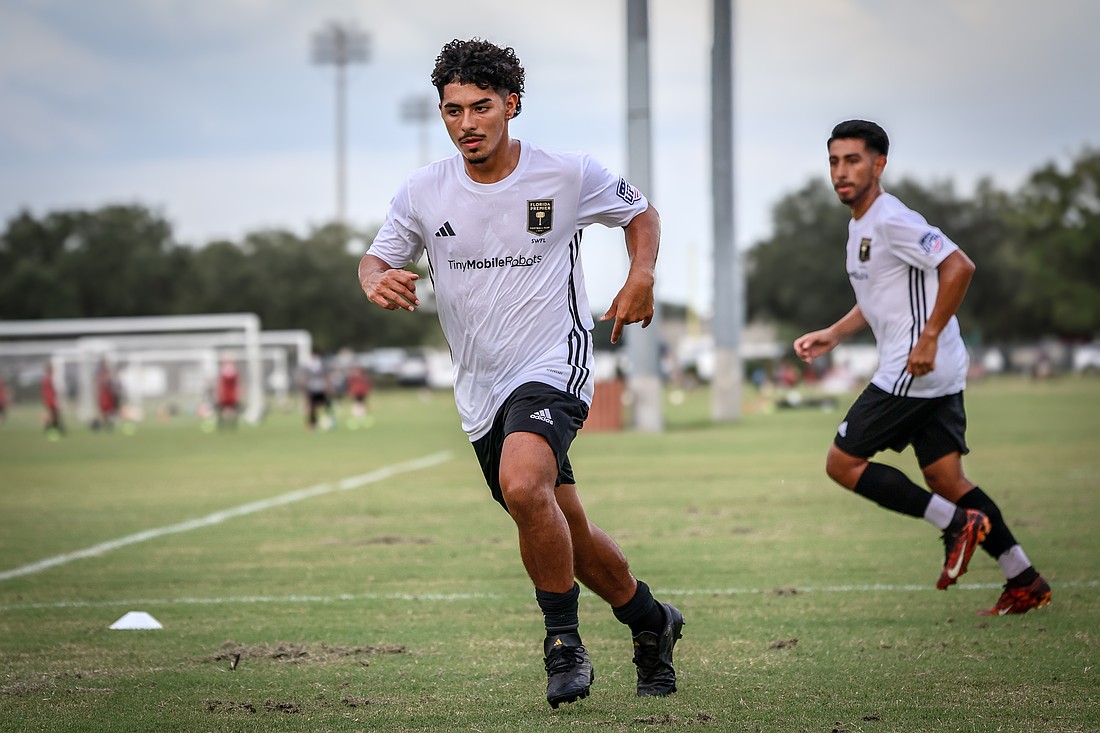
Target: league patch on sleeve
627, 192
931, 242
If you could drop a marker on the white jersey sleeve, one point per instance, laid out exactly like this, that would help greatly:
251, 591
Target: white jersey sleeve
399, 242
606, 198
914, 241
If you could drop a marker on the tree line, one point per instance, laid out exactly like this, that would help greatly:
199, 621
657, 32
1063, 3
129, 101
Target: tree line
123, 261
1037, 251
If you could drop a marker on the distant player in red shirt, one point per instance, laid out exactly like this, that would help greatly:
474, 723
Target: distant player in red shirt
108, 397
359, 387
228, 404
3, 399
53, 424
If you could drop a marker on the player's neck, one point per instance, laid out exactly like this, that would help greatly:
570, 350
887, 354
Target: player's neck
860, 207
498, 166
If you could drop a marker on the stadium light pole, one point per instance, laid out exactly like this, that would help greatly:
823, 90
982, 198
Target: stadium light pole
729, 308
340, 44
419, 109
643, 346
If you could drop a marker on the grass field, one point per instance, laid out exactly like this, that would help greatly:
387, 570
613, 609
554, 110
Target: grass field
388, 594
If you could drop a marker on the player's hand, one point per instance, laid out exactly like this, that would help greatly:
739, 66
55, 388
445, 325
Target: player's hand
392, 289
632, 304
922, 359
812, 345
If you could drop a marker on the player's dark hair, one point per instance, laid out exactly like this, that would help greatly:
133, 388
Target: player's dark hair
870, 133
482, 63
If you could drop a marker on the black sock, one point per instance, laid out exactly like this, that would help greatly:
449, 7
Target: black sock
642, 612
890, 488
559, 610
1025, 578
999, 538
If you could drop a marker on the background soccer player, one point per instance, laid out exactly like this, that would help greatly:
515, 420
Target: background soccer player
909, 280
501, 223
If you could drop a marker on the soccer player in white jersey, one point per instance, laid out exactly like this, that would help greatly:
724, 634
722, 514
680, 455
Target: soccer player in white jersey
501, 223
909, 280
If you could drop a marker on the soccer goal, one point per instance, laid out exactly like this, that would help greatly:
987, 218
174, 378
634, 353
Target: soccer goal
158, 354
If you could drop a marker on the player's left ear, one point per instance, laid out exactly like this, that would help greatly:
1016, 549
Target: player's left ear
510, 103
878, 166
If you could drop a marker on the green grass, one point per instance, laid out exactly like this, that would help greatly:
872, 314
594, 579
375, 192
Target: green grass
402, 605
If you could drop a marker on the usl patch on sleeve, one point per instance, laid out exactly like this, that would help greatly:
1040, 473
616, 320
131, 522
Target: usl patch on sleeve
627, 192
931, 242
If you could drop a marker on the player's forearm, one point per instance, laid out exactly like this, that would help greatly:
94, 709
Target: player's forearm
955, 274
370, 265
852, 323
643, 240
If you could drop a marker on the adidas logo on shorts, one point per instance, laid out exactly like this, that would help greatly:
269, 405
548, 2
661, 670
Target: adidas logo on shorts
543, 415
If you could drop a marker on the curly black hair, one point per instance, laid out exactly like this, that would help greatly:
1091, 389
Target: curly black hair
482, 63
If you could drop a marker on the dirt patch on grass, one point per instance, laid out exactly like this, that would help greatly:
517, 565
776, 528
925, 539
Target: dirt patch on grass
228, 706
388, 539
55, 684
670, 719
290, 708
398, 540
298, 653
284, 707
26, 689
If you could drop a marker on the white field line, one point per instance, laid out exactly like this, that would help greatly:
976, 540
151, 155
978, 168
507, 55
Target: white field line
353, 482
456, 597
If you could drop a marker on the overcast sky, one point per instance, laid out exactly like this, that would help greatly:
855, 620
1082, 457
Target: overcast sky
211, 112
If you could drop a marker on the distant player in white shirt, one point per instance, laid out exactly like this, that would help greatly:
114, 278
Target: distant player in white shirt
909, 280
501, 223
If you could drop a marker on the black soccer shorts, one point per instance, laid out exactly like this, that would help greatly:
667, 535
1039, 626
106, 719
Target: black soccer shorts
532, 408
878, 420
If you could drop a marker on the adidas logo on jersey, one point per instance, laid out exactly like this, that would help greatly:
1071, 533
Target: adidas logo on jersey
445, 230
543, 415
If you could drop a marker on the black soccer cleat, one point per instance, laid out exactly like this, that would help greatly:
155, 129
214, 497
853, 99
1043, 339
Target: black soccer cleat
569, 672
653, 656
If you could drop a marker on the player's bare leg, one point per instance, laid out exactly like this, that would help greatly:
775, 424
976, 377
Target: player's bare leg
528, 472
844, 468
597, 560
600, 564
945, 477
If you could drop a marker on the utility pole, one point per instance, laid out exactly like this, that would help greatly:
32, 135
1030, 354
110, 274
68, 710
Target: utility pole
340, 44
419, 109
643, 346
729, 299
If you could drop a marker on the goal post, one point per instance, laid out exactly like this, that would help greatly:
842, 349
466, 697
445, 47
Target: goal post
246, 326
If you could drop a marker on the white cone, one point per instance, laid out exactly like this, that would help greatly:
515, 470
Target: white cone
136, 620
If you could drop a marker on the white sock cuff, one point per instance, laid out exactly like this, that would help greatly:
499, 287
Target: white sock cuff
1013, 561
939, 512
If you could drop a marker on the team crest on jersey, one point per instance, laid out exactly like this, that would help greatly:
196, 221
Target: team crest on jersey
864, 249
931, 243
540, 216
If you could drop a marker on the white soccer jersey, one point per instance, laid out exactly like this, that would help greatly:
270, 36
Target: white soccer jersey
892, 256
504, 259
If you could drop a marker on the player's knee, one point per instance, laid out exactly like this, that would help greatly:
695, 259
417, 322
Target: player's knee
843, 468
524, 495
